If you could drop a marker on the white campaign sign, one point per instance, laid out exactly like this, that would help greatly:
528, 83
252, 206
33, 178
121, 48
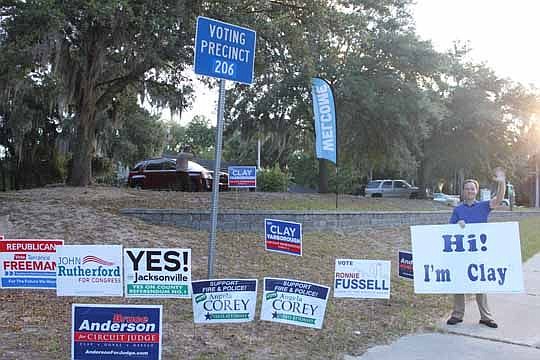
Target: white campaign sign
362, 279
89, 270
294, 302
163, 273
224, 300
480, 258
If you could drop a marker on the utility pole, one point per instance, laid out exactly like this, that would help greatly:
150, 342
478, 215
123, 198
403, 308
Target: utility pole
537, 177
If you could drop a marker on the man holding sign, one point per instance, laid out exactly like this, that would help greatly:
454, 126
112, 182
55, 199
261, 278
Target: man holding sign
472, 211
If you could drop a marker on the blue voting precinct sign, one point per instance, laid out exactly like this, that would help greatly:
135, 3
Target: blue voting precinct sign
224, 51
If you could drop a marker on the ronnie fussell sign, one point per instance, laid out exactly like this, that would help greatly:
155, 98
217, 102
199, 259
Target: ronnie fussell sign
356, 278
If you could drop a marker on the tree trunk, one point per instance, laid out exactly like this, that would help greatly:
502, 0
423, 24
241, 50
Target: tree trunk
86, 107
3, 172
81, 169
323, 176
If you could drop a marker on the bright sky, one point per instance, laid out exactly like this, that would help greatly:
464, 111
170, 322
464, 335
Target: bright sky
502, 33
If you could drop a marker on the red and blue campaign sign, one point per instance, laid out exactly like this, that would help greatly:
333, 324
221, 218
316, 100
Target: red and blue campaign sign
28, 263
118, 332
242, 176
405, 265
283, 236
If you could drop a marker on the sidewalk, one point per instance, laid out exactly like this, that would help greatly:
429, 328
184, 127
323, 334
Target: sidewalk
518, 335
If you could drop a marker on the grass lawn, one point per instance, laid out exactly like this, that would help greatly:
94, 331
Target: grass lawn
529, 230
36, 324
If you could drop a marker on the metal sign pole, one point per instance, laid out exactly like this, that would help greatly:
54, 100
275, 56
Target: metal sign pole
537, 183
215, 179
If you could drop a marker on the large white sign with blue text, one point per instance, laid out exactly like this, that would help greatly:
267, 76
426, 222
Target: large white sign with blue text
480, 258
224, 51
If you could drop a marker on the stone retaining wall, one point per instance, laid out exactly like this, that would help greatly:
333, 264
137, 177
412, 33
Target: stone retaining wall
312, 221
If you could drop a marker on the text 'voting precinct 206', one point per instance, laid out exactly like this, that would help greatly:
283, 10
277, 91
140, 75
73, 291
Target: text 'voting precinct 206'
224, 51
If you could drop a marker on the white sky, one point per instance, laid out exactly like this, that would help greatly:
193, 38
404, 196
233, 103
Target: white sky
503, 33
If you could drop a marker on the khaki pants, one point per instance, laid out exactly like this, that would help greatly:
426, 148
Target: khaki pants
481, 300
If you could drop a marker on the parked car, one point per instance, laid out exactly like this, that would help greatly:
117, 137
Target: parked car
391, 188
443, 198
160, 173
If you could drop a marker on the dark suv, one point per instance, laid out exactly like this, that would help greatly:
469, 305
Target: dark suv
160, 173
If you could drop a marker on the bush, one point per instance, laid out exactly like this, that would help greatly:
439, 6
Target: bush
304, 169
272, 180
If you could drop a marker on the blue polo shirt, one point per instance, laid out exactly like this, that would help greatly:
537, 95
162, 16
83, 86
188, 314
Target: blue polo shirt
477, 212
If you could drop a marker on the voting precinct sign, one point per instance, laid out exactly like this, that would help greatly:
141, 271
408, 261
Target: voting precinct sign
224, 300
120, 332
294, 302
89, 270
355, 278
480, 258
242, 176
28, 263
224, 51
283, 236
405, 265
163, 273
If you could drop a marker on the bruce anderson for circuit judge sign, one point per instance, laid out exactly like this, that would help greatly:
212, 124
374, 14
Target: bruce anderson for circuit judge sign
480, 258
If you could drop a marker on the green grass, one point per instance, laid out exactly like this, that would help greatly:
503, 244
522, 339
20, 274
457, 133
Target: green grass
530, 237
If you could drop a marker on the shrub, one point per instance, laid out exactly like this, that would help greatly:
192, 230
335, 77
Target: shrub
272, 180
304, 169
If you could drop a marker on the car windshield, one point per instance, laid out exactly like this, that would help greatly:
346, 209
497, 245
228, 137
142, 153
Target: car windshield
373, 184
137, 166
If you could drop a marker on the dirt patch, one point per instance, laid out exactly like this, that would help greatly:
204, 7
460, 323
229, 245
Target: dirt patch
36, 324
